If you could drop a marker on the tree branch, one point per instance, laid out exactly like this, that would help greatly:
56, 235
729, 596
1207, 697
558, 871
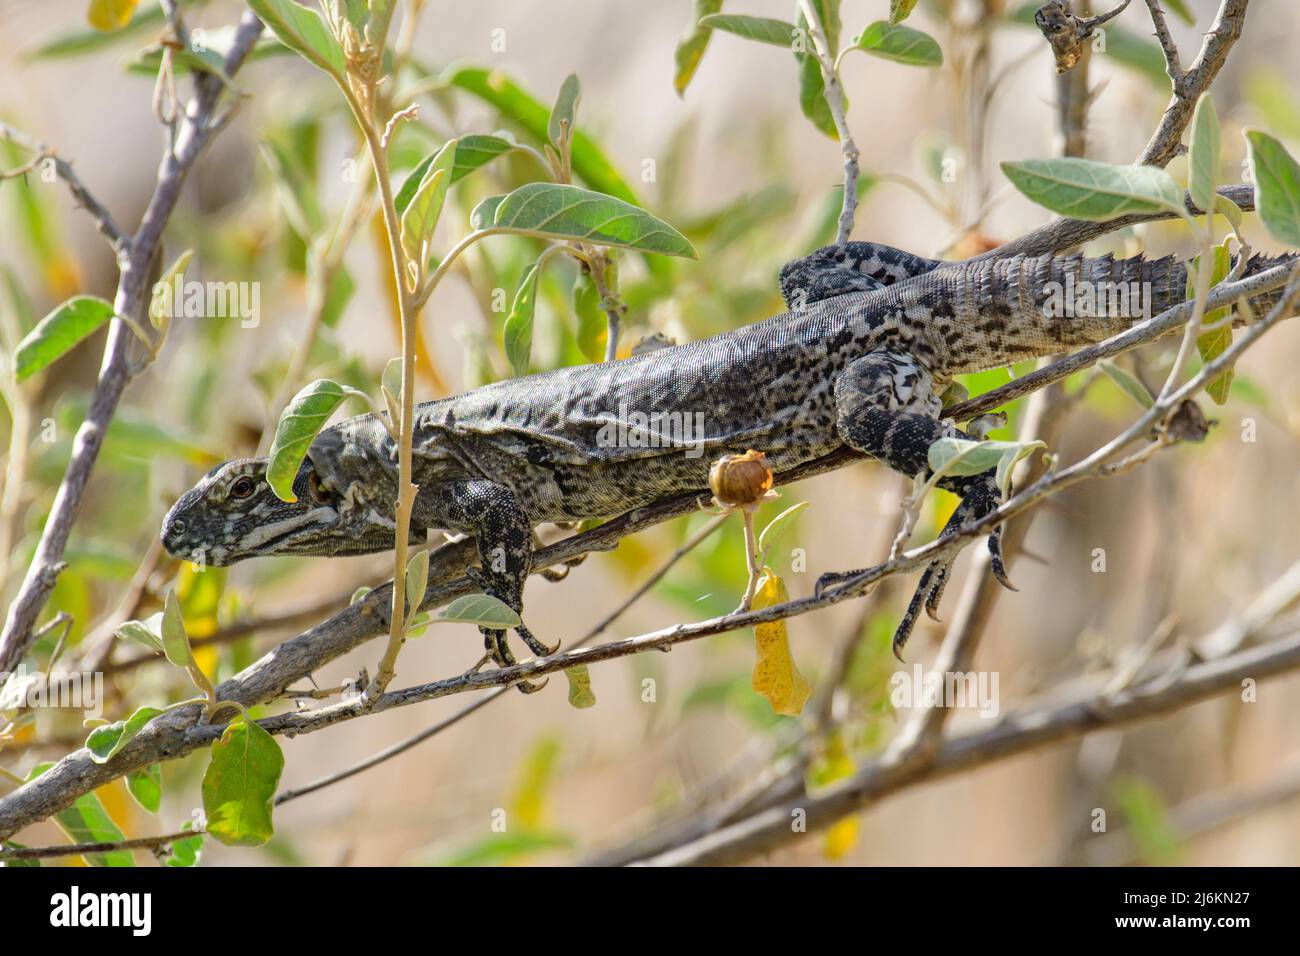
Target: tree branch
1016, 733
116, 371
1166, 142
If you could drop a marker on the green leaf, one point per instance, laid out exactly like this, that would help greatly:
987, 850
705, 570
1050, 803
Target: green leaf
762, 29
1277, 186
110, 15
1128, 383
581, 695
420, 217
294, 189
1097, 192
187, 850
1155, 835
240, 783
162, 303
298, 427
958, 457
569, 212
518, 333
900, 44
104, 742
560, 125
145, 633
303, 31
777, 525
1212, 344
900, 10
86, 821
691, 47
1229, 210
417, 579
498, 848
480, 609
1179, 9
481, 216
1203, 158
593, 325
1138, 54
590, 164
145, 787
176, 643
56, 334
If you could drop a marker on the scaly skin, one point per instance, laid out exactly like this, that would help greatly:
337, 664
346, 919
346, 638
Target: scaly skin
874, 336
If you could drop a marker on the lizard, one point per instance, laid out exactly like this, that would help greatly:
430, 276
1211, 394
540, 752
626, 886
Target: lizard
872, 338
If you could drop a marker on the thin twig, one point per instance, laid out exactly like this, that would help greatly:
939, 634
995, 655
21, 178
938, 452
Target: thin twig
85, 849
834, 94
41, 153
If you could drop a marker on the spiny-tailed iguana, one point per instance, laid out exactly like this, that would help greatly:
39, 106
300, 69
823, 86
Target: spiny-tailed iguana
873, 337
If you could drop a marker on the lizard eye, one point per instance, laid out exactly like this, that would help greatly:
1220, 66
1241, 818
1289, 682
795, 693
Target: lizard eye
242, 488
319, 493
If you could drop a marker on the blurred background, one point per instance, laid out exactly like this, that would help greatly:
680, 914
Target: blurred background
1185, 541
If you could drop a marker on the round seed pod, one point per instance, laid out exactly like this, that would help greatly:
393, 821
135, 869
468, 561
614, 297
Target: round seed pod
738, 480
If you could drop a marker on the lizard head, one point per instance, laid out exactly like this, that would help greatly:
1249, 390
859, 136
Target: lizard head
233, 514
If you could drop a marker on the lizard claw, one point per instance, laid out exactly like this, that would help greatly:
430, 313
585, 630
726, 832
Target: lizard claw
536, 646
979, 500
498, 651
531, 686
833, 579
999, 567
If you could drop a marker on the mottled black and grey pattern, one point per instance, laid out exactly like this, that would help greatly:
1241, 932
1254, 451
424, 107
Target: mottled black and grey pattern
875, 337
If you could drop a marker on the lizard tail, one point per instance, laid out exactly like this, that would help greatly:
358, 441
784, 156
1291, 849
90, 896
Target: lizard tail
1029, 306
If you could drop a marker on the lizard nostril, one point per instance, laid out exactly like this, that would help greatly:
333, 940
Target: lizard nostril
177, 527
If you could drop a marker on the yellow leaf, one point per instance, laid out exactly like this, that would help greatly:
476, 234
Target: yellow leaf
841, 838
834, 764
109, 15
775, 676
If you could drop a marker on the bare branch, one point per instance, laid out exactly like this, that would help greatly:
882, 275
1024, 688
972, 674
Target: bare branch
80, 194
1015, 733
1060, 234
84, 849
834, 93
1166, 142
116, 372
1173, 65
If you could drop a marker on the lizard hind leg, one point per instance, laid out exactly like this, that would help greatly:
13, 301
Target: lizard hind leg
504, 536
886, 408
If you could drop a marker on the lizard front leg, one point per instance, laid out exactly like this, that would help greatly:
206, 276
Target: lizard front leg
504, 535
886, 408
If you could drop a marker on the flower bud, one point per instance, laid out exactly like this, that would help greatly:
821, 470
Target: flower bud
740, 479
